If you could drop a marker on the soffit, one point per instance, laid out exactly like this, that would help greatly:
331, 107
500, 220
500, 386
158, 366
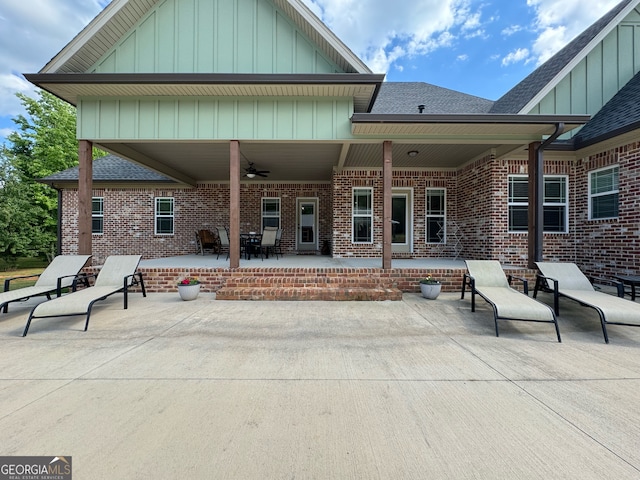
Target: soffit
71, 87
482, 128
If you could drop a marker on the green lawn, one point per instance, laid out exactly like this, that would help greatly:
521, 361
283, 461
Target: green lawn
25, 266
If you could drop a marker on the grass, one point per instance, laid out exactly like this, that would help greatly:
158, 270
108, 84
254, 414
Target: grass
24, 266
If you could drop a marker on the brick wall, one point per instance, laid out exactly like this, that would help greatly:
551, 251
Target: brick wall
129, 217
607, 247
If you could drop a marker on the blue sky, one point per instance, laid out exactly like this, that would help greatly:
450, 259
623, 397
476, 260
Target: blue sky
480, 47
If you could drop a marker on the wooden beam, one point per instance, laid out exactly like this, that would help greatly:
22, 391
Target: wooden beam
85, 196
234, 204
387, 185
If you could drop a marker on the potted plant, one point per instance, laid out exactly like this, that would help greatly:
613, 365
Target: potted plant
189, 288
430, 287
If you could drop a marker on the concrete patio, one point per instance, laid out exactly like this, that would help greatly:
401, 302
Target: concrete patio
282, 390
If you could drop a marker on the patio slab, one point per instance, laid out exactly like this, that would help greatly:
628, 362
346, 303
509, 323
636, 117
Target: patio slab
382, 390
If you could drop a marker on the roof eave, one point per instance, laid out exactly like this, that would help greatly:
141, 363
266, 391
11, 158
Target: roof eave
474, 118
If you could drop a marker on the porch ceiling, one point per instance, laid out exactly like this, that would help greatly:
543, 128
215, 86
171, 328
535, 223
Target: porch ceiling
293, 162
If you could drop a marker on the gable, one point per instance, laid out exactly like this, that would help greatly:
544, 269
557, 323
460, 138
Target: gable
598, 77
215, 36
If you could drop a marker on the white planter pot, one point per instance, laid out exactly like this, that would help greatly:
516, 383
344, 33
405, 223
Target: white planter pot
189, 292
430, 290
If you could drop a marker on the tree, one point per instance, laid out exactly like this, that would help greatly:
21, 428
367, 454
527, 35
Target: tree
20, 235
44, 143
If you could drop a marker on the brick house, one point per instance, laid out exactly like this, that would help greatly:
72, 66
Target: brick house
197, 93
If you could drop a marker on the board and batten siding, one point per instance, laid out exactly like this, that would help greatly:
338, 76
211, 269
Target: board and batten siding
215, 36
215, 119
594, 81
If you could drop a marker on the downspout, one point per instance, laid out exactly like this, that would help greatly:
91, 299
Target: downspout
59, 232
539, 195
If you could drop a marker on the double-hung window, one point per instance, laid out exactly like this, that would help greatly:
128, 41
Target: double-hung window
603, 193
362, 215
436, 215
164, 216
271, 212
97, 215
555, 204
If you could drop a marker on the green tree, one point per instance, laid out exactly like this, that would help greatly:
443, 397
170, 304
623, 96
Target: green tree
44, 143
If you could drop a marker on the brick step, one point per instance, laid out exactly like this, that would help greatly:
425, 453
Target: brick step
309, 293
305, 282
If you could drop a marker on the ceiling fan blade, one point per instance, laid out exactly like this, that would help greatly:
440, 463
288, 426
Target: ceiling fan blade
260, 174
263, 171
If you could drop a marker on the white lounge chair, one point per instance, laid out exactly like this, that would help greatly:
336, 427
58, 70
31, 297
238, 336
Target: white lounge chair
116, 275
568, 281
59, 274
487, 279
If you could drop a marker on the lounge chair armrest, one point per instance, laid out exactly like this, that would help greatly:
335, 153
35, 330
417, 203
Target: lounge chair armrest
525, 283
7, 281
596, 281
83, 278
542, 283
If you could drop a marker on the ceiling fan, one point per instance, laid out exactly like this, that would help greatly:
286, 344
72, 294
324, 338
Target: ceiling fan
252, 172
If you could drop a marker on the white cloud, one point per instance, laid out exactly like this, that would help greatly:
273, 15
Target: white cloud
519, 55
382, 32
512, 30
31, 33
560, 21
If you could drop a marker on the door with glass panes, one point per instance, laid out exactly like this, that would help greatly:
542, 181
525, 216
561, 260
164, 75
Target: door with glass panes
401, 220
307, 224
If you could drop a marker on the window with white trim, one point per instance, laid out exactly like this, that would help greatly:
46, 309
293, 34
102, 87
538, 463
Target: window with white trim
97, 215
603, 193
555, 204
436, 215
164, 216
270, 212
362, 215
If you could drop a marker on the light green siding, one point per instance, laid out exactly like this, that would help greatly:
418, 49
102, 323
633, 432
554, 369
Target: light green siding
214, 119
215, 36
600, 75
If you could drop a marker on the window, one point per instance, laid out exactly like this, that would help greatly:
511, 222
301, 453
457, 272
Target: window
436, 226
164, 216
362, 215
603, 193
97, 215
271, 212
555, 204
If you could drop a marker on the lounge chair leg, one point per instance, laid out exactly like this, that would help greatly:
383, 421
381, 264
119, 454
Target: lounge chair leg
604, 327
555, 322
86, 324
26, 328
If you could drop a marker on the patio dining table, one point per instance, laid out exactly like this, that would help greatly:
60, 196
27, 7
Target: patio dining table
251, 242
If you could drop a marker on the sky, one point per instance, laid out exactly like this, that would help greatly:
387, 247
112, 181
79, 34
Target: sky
479, 47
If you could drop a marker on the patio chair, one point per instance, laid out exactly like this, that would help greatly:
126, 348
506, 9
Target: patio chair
116, 275
206, 239
278, 246
568, 281
268, 242
223, 236
487, 279
60, 273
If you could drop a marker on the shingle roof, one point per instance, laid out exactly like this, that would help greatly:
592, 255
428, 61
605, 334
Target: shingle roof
619, 115
404, 98
111, 169
516, 98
